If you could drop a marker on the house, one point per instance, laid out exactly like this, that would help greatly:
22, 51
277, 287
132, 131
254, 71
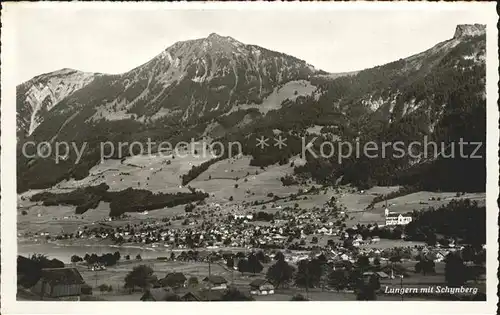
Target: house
344, 256
159, 294
440, 256
323, 230
379, 274
174, 280
203, 295
215, 282
341, 264
261, 287
59, 283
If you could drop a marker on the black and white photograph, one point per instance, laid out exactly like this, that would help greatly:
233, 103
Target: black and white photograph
202, 152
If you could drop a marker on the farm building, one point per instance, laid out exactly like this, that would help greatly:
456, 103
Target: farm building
261, 287
159, 294
216, 282
59, 282
379, 274
203, 295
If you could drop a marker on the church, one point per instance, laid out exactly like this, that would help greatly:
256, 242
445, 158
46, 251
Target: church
392, 218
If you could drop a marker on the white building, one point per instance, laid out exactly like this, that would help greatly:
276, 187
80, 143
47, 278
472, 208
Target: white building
397, 220
393, 219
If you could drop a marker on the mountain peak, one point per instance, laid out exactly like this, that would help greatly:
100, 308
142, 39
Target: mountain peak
464, 30
214, 35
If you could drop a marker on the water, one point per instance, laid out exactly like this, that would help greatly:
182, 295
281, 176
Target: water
64, 252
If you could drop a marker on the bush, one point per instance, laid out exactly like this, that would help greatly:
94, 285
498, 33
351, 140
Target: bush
189, 207
105, 288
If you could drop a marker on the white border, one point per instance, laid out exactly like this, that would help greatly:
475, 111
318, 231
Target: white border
8, 175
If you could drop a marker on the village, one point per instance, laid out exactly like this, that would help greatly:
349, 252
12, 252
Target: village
213, 252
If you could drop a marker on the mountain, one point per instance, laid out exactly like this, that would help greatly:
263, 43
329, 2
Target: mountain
438, 94
36, 97
224, 89
219, 72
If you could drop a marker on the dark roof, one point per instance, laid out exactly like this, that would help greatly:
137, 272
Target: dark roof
215, 279
342, 263
159, 294
259, 282
205, 295
62, 276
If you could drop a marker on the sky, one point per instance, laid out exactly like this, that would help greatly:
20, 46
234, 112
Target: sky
113, 40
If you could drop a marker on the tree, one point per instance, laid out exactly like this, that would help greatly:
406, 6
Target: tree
366, 288
280, 274
86, 258
309, 273
425, 265
338, 279
76, 258
138, 257
254, 265
231, 198
431, 239
314, 240
363, 262
234, 294
468, 253
117, 255
454, 270
376, 261
43, 262
279, 256
230, 262
141, 276
262, 257
243, 265
127, 257
93, 259
172, 256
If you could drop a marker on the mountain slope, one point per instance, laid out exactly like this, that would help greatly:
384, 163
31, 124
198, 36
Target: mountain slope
180, 90
36, 97
219, 86
438, 94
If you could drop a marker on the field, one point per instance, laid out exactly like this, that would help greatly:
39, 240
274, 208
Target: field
232, 177
231, 183
225, 179
114, 276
